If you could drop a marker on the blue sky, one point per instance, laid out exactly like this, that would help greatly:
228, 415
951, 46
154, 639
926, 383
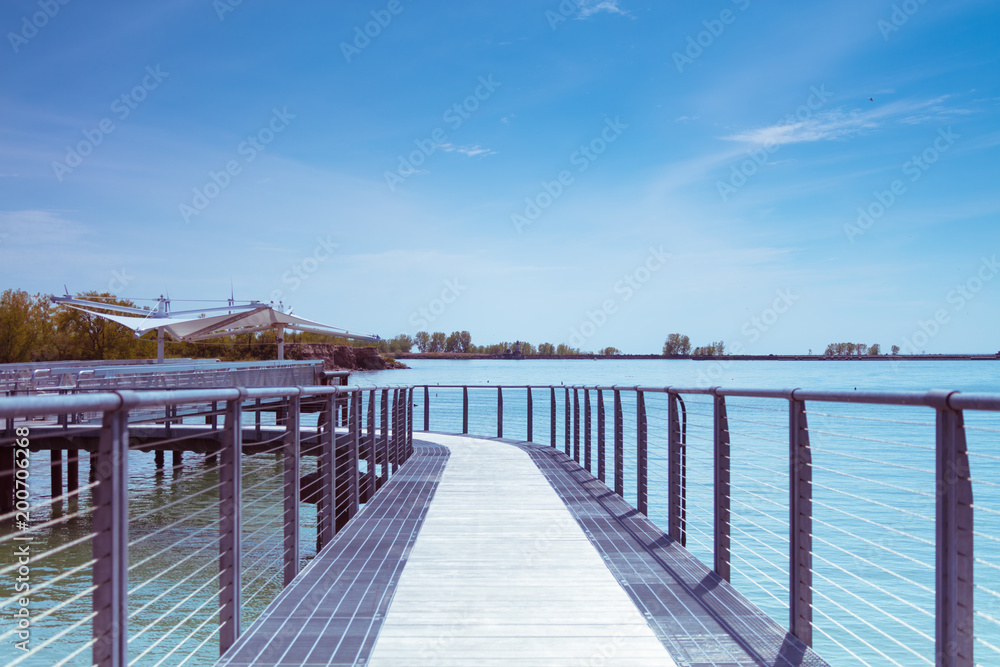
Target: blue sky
591, 172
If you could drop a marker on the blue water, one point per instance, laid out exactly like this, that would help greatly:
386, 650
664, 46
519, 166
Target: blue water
873, 503
873, 474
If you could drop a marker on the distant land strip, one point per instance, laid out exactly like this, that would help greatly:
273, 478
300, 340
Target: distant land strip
735, 357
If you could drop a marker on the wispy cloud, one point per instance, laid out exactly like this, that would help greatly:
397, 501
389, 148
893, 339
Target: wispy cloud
474, 150
590, 7
839, 124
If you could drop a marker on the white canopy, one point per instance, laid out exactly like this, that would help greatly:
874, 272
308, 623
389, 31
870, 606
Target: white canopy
216, 326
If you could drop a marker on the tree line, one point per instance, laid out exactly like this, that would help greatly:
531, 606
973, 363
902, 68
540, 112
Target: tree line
679, 345
856, 349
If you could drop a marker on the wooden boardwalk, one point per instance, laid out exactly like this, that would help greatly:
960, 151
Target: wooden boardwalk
487, 552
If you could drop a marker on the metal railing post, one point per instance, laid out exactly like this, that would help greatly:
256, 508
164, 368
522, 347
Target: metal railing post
327, 468
409, 422
394, 430
641, 460
353, 454
954, 560
110, 544
576, 424
383, 446
566, 405
800, 523
465, 410
292, 449
531, 418
552, 417
230, 525
586, 429
600, 435
427, 408
369, 486
723, 493
499, 412
675, 494
619, 445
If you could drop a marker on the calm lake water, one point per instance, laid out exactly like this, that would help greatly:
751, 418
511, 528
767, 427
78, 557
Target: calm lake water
873, 504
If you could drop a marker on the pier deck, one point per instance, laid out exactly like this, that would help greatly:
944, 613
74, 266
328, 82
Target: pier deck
493, 552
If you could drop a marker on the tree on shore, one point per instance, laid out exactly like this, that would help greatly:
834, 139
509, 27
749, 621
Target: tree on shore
547, 349
716, 349
422, 340
895, 350
676, 345
610, 351
852, 349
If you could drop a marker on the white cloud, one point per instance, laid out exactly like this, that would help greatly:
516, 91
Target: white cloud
474, 150
590, 7
839, 124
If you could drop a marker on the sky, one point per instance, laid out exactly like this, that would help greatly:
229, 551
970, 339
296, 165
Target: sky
778, 176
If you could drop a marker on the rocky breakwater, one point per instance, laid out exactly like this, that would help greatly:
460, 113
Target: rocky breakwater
342, 357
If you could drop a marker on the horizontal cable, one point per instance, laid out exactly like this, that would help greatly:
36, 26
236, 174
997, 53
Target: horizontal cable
855, 536
870, 583
869, 500
880, 441
46, 501
49, 582
175, 585
51, 640
885, 464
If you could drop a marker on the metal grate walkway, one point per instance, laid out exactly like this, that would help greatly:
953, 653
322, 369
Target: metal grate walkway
513, 555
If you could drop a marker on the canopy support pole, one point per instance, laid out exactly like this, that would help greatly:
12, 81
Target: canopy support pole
159, 345
281, 342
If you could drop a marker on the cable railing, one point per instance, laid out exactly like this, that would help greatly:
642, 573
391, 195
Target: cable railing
160, 562
858, 524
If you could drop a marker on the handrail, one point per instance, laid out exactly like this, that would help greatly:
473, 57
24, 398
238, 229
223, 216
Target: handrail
954, 555
342, 444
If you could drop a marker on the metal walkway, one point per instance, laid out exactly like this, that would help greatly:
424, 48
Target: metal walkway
490, 552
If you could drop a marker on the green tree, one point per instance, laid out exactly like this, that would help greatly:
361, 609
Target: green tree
610, 351
894, 349
437, 343
676, 345
874, 350
547, 349
528, 349
25, 327
423, 341
564, 350
80, 335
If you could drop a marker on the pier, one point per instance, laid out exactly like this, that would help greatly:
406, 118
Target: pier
527, 525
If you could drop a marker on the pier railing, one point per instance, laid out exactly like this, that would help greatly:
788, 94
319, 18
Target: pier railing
147, 565
853, 522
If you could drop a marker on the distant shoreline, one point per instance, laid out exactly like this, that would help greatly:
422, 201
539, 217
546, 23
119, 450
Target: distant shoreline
733, 357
